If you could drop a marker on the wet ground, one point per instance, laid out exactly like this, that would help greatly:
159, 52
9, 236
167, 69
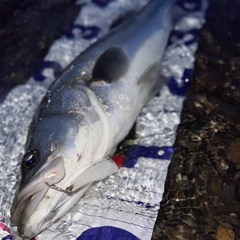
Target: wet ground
202, 191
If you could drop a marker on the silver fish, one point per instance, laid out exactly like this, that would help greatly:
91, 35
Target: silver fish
86, 112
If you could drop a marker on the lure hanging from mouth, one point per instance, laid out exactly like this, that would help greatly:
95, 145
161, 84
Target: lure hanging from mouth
87, 111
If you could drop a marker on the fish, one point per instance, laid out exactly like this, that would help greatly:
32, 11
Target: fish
85, 114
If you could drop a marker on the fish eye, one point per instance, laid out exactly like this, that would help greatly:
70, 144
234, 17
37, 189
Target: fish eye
30, 159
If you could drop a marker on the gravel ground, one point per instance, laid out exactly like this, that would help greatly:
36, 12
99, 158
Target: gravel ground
202, 190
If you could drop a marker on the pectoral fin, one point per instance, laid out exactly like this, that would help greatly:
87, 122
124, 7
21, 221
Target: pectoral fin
96, 172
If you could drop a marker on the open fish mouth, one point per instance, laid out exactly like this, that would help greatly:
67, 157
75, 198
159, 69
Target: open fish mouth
23, 209
42, 202
27, 199
39, 222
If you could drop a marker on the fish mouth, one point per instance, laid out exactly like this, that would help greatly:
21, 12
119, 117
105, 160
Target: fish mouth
28, 199
41, 202
28, 229
20, 214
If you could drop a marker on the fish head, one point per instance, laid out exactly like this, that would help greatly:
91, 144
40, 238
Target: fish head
42, 165
56, 171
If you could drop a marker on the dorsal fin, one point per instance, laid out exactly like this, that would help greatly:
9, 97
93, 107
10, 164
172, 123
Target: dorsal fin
124, 17
111, 65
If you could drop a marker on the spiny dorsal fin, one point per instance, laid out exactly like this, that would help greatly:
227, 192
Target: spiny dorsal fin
149, 73
123, 18
111, 65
